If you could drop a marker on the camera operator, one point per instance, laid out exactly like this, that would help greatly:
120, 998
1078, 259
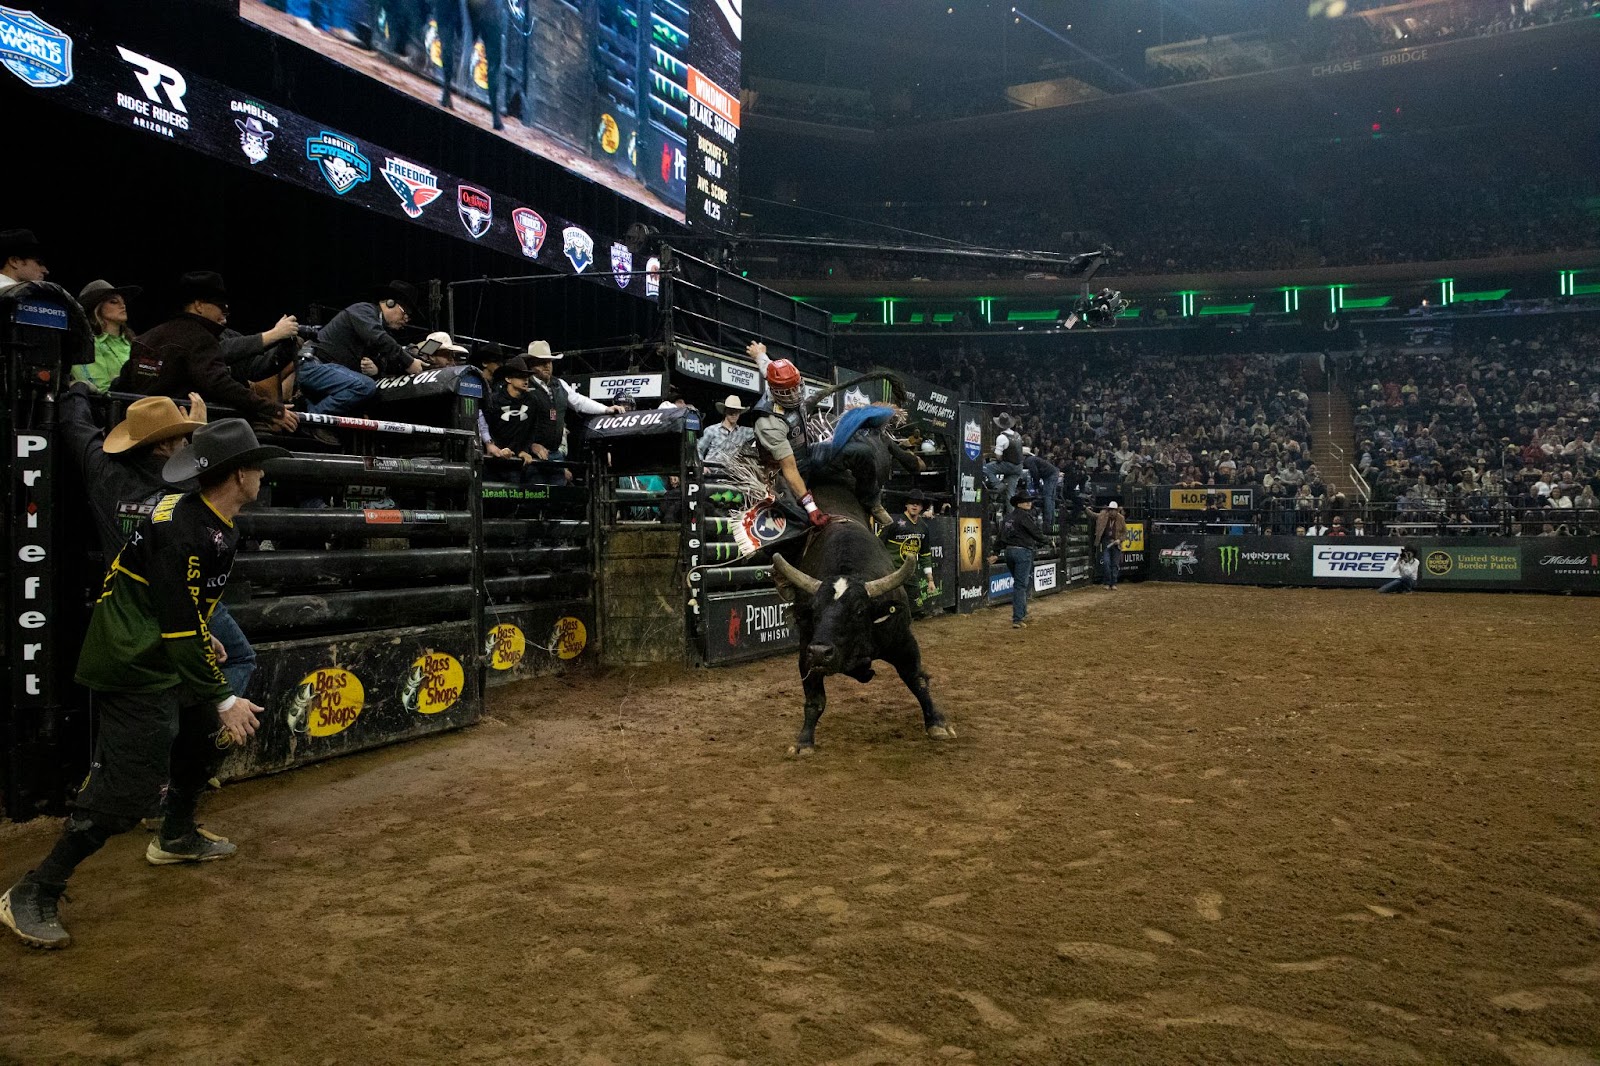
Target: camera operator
1406, 568
358, 346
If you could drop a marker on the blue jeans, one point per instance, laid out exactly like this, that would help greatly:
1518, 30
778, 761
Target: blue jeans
334, 389
1008, 474
1111, 564
1399, 584
1047, 498
241, 664
1020, 562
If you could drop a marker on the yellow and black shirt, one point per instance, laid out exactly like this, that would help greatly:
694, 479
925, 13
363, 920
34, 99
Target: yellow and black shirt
149, 632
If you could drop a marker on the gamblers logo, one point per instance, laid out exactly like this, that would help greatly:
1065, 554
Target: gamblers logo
476, 210
255, 138
531, 228
416, 186
579, 248
34, 50
341, 162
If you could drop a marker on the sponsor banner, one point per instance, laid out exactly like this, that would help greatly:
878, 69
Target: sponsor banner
75, 65
747, 624
1354, 561
642, 423
1133, 538
1471, 564
1180, 560
1000, 585
1384, 61
1196, 499
326, 702
1044, 577
733, 374
932, 405
971, 547
435, 684
1234, 560
615, 386
971, 551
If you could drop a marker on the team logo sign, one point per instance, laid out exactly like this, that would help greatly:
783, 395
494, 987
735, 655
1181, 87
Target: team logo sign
621, 264
341, 162
255, 129
434, 684
609, 134
569, 637
856, 397
652, 277
579, 248
326, 702
416, 186
505, 647
34, 50
476, 210
972, 439
531, 228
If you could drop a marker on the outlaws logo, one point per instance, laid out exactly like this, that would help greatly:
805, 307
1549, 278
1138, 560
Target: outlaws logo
34, 50
578, 247
531, 228
621, 264
416, 186
341, 162
476, 210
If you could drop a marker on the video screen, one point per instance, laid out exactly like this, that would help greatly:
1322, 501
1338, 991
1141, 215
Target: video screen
641, 96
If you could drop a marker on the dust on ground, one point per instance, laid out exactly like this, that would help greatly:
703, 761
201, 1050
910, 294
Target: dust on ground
1180, 824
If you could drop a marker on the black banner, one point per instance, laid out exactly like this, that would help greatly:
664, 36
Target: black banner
971, 551
134, 88
748, 624
712, 81
932, 405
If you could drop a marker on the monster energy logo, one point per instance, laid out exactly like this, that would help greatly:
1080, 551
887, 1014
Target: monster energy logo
1230, 558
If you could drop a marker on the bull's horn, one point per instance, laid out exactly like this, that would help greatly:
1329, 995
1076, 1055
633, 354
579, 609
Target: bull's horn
798, 578
880, 586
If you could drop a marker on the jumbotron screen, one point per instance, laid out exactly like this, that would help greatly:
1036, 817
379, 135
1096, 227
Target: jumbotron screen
641, 96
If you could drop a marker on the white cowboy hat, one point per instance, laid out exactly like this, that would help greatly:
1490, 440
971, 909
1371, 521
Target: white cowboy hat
540, 350
732, 403
445, 343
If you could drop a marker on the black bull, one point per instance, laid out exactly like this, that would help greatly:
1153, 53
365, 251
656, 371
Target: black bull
851, 608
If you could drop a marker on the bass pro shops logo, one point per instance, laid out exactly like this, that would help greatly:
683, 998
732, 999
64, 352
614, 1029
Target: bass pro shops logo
34, 50
341, 162
1231, 556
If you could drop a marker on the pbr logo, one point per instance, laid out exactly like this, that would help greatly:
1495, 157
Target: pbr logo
531, 228
254, 136
34, 50
416, 186
1181, 559
621, 264
476, 210
579, 248
652, 277
341, 162
972, 439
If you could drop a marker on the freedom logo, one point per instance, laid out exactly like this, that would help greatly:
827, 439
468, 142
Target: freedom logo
416, 186
621, 264
34, 50
254, 136
476, 210
531, 228
579, 248
341, 162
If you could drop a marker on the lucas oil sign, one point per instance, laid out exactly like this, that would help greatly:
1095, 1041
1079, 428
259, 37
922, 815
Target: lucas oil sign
434, 684
326, 702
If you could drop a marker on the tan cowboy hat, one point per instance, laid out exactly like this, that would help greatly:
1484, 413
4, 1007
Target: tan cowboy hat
148, 421
540, 350
731, 405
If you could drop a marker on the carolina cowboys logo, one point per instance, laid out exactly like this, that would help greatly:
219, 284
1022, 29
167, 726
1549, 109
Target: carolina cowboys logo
530, 229
621, 264
34, 50
579, 248
341, 162
416, 186
476, 210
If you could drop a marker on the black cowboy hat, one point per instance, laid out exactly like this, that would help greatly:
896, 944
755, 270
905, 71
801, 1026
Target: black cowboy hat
99, 291
205, 285
1004, 421
1023, 496
229, 444
20, 243
916, 496
406, 295
519, 367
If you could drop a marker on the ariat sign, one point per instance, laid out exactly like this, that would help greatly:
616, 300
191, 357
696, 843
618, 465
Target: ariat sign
1363, 564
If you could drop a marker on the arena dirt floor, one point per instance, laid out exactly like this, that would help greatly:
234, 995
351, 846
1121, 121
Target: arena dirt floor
1180, 824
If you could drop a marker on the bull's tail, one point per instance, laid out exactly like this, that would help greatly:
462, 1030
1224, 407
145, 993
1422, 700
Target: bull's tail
852, 421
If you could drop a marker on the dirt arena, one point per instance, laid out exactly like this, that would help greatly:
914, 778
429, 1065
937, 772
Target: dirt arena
1181, 824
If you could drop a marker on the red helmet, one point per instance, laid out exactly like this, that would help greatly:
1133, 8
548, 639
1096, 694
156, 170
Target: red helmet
782, 374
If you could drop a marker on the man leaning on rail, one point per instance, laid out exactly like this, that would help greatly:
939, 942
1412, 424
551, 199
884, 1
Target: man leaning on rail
166, 712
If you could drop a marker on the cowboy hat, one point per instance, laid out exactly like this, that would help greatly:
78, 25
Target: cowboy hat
518, 367
20, 243
403, 293
446, 344
99, 291
149, 420
1023, 496
205, 286
218, 448
732, 405
541, 350
1004, 421
916, 496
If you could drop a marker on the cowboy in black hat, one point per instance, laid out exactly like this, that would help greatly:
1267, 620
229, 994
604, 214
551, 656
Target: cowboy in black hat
106, 307
184, 355
1020, 537
909, 536
166, 713
1003, 472
21, 258
359, 345
528, 411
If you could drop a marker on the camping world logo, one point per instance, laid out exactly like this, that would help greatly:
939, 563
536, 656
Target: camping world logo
476, 210
34, 50
341, 162
531, 228
416, 186
579, 248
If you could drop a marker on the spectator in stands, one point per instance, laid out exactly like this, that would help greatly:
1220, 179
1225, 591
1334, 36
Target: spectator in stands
1020, 537
721, 441
1110, 526
21, 258
1406, 571
106, 307
183, 355
357, 346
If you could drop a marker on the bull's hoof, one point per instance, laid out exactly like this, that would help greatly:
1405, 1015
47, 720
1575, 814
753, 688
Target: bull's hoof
942, 732
802, 749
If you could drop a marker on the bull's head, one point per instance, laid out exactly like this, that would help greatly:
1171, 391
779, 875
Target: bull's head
843, 612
